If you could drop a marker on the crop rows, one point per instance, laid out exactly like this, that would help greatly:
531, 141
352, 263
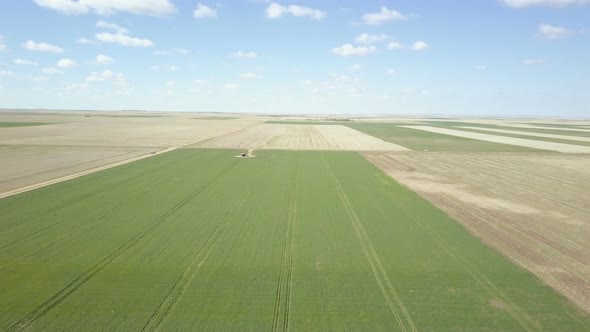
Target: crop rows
200, 240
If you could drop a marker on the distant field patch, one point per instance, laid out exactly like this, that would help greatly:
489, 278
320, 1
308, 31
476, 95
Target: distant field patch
200, 240
216, 118
22, 124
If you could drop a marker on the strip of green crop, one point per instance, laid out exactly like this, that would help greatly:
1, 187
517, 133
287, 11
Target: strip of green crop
22, 124
200, 240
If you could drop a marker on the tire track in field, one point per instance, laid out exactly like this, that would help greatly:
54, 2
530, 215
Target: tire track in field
525, 321
81, 198
398, 309
75, 284
182, 283
287, 262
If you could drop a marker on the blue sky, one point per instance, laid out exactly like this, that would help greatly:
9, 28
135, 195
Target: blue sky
481, 57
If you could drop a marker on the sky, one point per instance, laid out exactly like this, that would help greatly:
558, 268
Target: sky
405, 57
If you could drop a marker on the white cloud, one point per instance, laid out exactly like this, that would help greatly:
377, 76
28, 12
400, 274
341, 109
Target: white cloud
203, 11
86, 41
107, 25
230, 86
51, 71
348, 50
549, 31
5, 73
384, 15
109, 7
394, 45
42, 47
24, 62
366, 38
246, 55
66, 63
99, 77
420, 46
344, 78
250, 76
274, 10
548, 3
391, 71
2, 45
174, 51
102, 59
123, 39
530, 62
76, 86
355, 67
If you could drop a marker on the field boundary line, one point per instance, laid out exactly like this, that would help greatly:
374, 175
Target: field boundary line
199, 258
79, 174
78, 282
516, 312
378, 270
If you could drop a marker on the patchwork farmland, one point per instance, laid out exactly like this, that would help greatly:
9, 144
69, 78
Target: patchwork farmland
313, 233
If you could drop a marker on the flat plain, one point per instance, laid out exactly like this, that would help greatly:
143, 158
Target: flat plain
308, 235
230, 243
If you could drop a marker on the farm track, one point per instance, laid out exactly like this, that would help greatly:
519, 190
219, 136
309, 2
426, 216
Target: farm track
287, 262
397, 309
74, 285
200, 257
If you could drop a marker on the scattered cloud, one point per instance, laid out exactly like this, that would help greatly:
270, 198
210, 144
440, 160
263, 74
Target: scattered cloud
345, 78
245, 55
203, 11
76, 86
66, 63
42, 47
107, 25
549, 31
2, 45
274, 11
531, 62
99, 77
547, 3
24, 62
250, 76
109, 7
366, 38
481, 67
355, 67
384, 15
391, 71
102, 59
174, 51
5, 73
123, 39
394, 45
349, 50
51, 71
230, 86
420, 46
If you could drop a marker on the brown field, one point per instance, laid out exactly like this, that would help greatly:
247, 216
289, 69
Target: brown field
301, 137
532, 207
76, 142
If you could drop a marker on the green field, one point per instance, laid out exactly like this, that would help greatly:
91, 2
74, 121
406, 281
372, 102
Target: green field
417, 140
22, 124
200, 240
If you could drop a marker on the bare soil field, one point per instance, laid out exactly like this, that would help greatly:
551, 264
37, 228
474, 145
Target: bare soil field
74, 142
301, 137
533, 208
536, 144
